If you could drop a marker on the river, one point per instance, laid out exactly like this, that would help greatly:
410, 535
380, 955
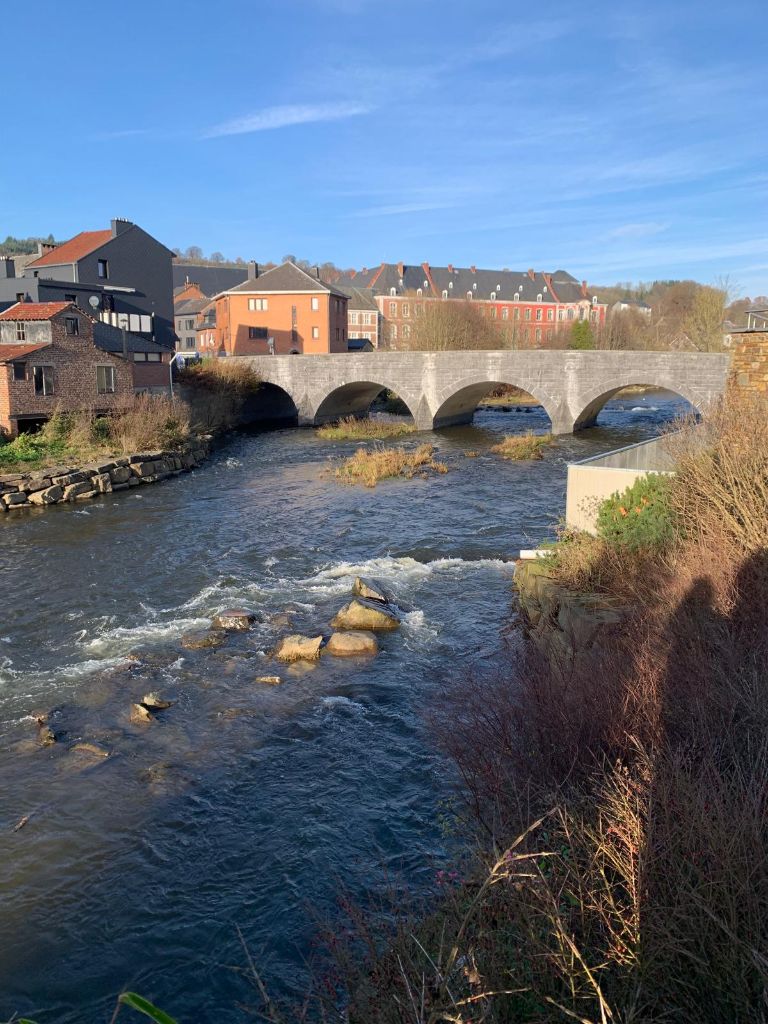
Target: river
242, 805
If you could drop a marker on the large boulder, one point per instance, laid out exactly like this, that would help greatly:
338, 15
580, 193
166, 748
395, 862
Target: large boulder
299, 648
234, 619
155, 702
361, 613
372, 590
353, 642
48, 496
141, 715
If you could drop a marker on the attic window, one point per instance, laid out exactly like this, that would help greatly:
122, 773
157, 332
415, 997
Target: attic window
450, 284
545, 288
469, 295
72, 325
103, 269
594, 300
21, 331
445, 293
493, 296
474, 286
426, 284
393, 291
517, 297
419, 292
539, 297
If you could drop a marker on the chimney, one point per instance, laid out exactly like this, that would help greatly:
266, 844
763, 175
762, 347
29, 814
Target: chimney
316, 272
400, 269
583, 287
364, 270
119, 225
450, 268
532, 274
7, 267
253, 270
473, 270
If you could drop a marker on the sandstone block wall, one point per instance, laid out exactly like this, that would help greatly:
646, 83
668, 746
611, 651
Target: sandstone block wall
749, 364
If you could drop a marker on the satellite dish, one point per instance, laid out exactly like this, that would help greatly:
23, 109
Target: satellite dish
94, 302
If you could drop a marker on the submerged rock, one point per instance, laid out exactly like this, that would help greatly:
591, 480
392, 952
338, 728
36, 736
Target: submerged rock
45, 734
155, 701
364, 614
268, 680
203, 638
234, 619
92, 750
372, 590
352, 643
299, 648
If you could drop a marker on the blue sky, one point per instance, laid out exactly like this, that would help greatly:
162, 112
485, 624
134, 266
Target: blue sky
619, 141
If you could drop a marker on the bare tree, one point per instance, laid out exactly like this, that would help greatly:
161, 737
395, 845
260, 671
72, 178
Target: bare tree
704, 323
454, 324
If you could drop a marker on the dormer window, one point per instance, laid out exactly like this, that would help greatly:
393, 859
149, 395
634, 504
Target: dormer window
594, 300
426, 284
493, 296
469, 295
445, 293
401, 282
545, 289
72, 325
517, 297
450, 284
419, 292
539, 297
474, 287
103, 269
498, 287
393, 292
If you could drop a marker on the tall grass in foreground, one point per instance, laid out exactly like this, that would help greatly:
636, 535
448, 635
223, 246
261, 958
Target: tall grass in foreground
368, 466
217, 390
617, 801
350, 428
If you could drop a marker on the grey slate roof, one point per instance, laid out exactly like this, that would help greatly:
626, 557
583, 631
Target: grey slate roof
286, 278
359, 298
110, 339
190, 306
211, 279
459, 281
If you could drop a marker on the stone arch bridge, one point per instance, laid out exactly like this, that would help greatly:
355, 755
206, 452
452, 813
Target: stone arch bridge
443, 388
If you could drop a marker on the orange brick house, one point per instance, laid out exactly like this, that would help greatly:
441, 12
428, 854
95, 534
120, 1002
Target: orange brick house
283, 310
50, 362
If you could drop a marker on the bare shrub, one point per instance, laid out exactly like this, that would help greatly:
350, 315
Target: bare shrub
149, 421
521, 447
367, 467
352, 428
218, 390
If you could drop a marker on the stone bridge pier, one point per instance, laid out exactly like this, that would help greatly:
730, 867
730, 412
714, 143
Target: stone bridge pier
442, 389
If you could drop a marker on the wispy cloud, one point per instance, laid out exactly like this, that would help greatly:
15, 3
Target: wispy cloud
125, 133
395, 208
284, 116
640, 230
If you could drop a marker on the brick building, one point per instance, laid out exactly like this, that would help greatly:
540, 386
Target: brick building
49, 362
283, 310
364, 319
529, 306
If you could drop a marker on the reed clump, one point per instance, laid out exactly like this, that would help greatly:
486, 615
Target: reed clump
370, 465
521, 447
351, 428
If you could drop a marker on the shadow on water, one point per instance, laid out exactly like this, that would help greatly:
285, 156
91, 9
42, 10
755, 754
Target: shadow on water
241, 804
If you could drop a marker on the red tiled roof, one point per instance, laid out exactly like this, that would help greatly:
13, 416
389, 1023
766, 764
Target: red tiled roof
34, 310
74, 249
10, 352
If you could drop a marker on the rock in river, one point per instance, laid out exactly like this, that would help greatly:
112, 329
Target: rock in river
364, 614
299, 648
234, 619
268, 680
351, 643
371, 589
203, 638
141, 715
155, 701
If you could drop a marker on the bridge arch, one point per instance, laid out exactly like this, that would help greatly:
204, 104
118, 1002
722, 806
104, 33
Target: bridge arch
270, 404
592, 401
355, 398
458, 403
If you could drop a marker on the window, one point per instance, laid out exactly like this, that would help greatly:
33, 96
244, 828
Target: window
517, 313
419, 292
353, 318
154, 357
19, 371
315, 332
43, 377
258, 305
469, 295
189, 325
19, 296
561, 314
338, 338
505, 313
406, 330
570, 314
538, 314
445, 294
315, 304
450, 286
493, 296
72, 325
406, 309
418, 309
550, 333
550, 314
493, 312
21, 331
594, 300
528, 313
70, 298
393, 332
517, 297
426, 284
393, 309
539, 297
538, 334
474, 286
105, 380
393, 291
189, 343
103, 269
257, 332
139, 357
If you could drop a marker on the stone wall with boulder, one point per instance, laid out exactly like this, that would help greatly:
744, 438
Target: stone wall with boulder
749, 362
59, 484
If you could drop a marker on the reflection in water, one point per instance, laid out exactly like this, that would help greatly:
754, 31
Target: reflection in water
242, 804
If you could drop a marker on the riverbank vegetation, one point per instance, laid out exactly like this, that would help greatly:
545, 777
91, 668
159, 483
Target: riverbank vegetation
369, 466
143, 422
352, 428
523, 446
217, 391
614, 800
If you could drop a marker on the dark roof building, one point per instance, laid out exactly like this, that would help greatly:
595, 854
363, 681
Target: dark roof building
287, 278
211, 278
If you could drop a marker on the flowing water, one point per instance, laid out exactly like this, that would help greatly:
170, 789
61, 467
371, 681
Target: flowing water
243, 805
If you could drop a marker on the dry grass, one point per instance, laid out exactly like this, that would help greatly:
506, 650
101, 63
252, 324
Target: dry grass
368, 466
217, 390
366, 429
523, 446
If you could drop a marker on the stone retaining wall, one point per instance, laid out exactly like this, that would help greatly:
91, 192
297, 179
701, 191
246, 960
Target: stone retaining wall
749, 363
59, 484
